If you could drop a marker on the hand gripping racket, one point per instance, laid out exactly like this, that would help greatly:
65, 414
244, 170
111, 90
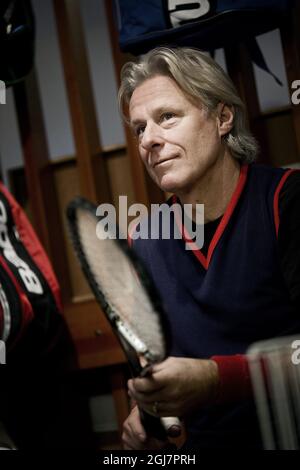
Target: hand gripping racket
125, 292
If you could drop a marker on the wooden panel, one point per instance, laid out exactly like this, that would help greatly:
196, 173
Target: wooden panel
120, 396
146, 191
291, 47
67, 186
39, 177
92, 335
18, 186
93, 176
120, 176
281, 138
240, 70
121, 184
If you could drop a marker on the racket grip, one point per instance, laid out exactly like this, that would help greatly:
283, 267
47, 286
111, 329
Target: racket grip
170, 422
153, 426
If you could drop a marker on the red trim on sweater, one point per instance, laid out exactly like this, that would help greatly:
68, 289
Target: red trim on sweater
129, 235
185, 235
129, 240
205, 261
234, 375
276, 199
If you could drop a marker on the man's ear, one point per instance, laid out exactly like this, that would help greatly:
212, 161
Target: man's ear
225, 115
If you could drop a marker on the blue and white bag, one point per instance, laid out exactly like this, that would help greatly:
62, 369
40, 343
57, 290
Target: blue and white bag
206, 24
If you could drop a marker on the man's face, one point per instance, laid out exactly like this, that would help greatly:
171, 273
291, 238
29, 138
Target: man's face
178, 141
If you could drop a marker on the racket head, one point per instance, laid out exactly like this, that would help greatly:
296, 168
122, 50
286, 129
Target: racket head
148, 321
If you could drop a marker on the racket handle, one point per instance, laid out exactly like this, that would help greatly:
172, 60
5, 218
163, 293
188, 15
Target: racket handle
153, 426
169, 422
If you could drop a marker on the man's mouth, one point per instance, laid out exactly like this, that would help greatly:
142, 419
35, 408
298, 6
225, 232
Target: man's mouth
164, 160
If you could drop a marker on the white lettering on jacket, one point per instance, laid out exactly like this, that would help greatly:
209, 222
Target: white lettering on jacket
29, 278
178, 13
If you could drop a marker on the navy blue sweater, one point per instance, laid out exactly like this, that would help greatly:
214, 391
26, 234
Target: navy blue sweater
222, 299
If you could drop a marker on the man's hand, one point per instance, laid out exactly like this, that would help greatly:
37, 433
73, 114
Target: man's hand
176, 386
134, 436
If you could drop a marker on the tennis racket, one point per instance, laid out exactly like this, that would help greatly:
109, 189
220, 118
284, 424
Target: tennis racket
275, 377
126, 294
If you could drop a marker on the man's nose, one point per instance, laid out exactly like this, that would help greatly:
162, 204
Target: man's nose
151, 136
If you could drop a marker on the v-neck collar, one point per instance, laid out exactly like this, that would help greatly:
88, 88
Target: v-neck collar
205, 260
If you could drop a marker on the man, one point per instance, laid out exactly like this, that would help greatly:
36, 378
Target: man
243, 284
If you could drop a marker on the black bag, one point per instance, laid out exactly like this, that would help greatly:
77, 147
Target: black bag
17, 33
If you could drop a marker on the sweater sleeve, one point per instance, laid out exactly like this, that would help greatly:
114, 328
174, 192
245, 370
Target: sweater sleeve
234, 378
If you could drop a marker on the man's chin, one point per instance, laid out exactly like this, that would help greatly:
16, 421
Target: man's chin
167, 182
169, 187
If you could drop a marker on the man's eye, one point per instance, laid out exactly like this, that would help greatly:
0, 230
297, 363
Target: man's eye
139, 130
167, 116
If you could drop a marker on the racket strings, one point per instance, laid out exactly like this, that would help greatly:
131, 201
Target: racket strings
119, 283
